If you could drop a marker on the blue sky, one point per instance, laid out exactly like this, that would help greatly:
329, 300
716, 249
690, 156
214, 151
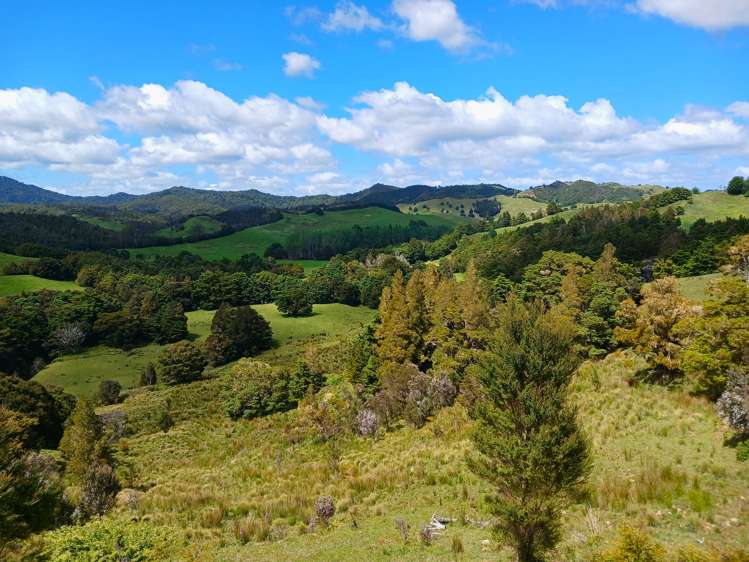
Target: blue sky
333, 96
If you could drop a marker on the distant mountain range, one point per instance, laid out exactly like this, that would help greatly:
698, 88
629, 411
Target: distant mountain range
186, 200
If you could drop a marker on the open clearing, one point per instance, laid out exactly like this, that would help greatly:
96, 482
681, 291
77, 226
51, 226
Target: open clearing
257, 238
5, 259
713, 206
81, 374
15, 284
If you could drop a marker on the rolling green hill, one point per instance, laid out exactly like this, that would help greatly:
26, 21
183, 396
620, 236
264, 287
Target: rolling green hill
258, 238
15, 284
713, 206
245, 490
81, 374
517, 205
582, 191
192, 227
5, 259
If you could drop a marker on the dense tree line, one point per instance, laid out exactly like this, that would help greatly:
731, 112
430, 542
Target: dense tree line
326, 244
639, 234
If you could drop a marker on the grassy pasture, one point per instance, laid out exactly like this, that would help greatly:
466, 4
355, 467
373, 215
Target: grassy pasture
445, 206
15, 284
208, 225
517, 205
713, 206
246, 490
109, 224
258, 238
81, 374
695, 288
6, 259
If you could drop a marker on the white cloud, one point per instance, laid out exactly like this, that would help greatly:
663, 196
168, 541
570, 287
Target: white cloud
436, 20
712, 15
192, 134
39, 127
300, 64
350, 17
490, 135
396, 168
385, 44
740, 109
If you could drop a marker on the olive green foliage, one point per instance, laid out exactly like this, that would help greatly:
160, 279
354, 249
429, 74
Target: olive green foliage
237, 332
49, 408
717, 341
293, 299
652, 328
108, 392
256, 389
360, 360
432, 321
304, 380
82, 443
590, 292
30, 488
180, 363
107, 540
635, 545
530, 449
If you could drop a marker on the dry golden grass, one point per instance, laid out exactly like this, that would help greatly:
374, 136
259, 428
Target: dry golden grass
246, 490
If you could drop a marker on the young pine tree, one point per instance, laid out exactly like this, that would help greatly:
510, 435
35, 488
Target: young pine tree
530, 448
81, 444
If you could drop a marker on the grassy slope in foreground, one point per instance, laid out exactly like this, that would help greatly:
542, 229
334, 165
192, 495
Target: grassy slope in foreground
81, 374
258, 238
15, 284
713, 206
658, 460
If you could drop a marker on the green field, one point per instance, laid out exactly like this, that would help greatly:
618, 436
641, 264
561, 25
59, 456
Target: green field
517, 205
258, 238
713, 206
450, 206
15, 284
307, 265
694, 288
103, 223
6, 259
81, 374
193, 225
566, 215
446, 206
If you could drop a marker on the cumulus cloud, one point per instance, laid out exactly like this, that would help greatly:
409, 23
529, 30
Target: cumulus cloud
350, 17
300, 64
436, 20
712, 15
491, 133
50, 128
191, 134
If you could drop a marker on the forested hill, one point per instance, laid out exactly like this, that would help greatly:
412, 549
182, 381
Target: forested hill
190, 201
582, 191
